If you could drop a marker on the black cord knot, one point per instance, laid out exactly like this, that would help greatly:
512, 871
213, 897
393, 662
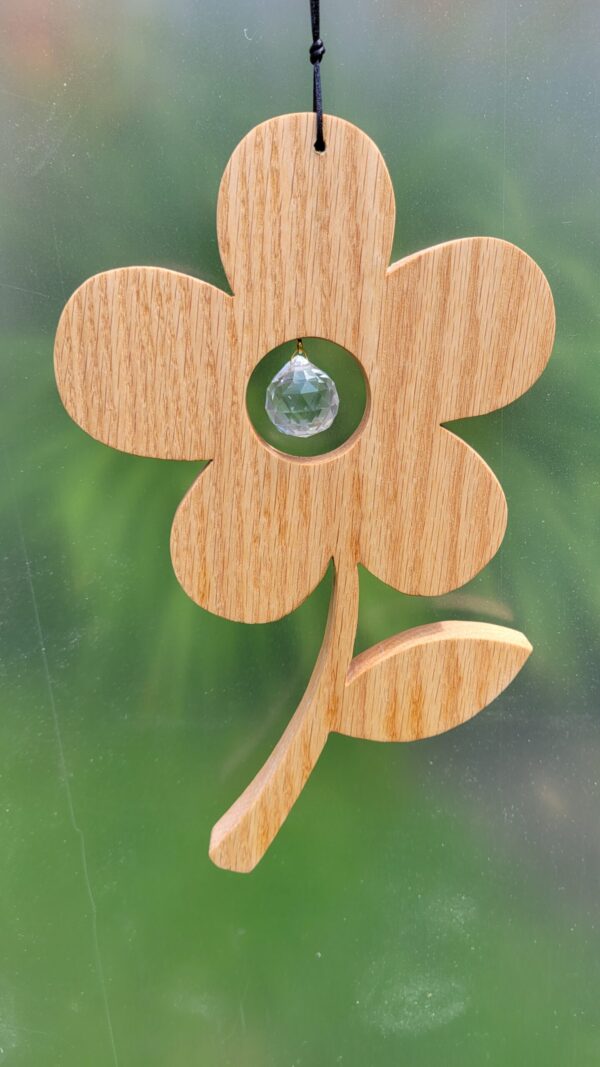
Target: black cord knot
317, 51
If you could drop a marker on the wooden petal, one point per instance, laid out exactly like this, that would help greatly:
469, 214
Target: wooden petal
433, 513
428, 680
242, 544
305, 237
472, 324
140, 356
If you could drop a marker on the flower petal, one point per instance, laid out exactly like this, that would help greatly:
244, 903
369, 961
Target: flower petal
305, 237
472, 322
232, 545
435, 514
140, 357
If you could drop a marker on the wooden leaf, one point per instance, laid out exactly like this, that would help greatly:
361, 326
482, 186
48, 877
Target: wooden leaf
429, 679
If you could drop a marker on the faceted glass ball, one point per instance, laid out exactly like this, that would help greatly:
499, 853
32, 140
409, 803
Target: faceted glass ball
302, 399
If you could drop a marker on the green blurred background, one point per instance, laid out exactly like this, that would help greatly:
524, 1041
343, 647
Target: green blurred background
428, 905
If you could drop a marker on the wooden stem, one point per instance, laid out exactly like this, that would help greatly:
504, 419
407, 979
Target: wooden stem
242, 836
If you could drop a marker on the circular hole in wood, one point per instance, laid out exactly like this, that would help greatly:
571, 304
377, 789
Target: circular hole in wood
350, 382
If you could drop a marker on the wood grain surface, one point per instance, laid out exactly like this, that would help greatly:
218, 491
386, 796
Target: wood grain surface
427, 680
411, 686
157, 363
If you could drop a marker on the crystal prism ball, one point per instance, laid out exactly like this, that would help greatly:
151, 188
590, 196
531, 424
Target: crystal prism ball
302, 399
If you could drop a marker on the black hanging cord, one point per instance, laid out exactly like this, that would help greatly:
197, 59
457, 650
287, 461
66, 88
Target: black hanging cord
316, 53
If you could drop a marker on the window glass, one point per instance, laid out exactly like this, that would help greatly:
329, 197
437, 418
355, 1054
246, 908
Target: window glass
432, 904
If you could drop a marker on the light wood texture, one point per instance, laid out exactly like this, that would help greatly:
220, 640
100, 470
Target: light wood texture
139, 361
427, 680
411, 686
244, 833
157, 363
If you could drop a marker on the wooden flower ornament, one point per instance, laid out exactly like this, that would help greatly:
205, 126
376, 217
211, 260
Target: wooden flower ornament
157, 363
